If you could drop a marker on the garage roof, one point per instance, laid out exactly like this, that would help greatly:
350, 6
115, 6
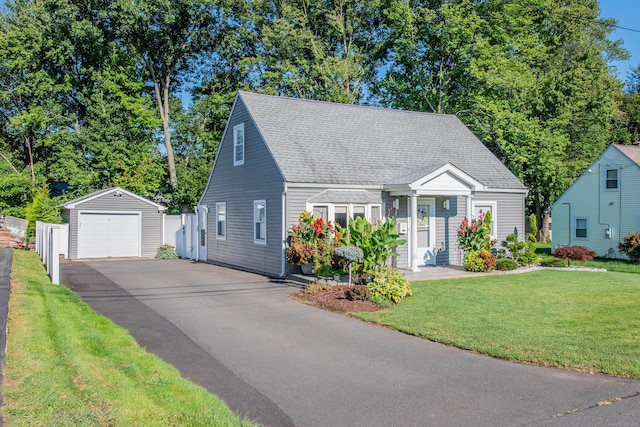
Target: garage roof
116, 191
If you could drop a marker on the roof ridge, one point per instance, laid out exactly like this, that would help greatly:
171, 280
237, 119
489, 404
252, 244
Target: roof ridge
344, 104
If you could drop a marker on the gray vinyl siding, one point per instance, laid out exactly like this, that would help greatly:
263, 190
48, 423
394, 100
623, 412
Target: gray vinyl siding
151, 221
510, 213
238, 186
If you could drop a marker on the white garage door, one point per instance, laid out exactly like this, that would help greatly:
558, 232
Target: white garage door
102, 235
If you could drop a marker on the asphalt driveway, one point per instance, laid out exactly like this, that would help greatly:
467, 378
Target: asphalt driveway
285, 363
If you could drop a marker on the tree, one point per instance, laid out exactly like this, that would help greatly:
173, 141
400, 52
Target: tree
313, 49
166, 38
529, 78
627, 125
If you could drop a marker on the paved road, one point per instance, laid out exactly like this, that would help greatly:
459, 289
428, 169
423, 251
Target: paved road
284, 363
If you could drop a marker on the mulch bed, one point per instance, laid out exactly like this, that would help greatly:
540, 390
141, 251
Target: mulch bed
333, 299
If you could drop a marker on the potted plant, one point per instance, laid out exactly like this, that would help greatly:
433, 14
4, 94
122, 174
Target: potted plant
307, 241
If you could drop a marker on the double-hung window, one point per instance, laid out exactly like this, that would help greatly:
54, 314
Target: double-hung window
260, 222
581, 228
238, 144
221, 220
612, 179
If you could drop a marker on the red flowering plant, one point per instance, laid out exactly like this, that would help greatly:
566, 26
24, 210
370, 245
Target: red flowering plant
474, 240
309, 239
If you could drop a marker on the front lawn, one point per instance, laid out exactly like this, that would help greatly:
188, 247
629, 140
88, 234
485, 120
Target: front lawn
577, 320
68, 366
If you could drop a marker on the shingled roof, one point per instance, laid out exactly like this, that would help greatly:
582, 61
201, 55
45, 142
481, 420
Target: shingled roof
631, 151
330, 143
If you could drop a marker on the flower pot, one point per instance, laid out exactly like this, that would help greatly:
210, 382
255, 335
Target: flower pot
307, 269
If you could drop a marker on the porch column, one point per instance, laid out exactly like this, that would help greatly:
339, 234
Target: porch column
414, 232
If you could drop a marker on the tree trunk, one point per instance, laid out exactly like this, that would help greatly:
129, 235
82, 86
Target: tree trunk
33, 175
544, 226
162, 98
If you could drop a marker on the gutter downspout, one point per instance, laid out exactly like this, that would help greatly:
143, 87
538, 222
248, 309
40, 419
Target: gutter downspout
414, 232
283, 257
569, 205
196, 242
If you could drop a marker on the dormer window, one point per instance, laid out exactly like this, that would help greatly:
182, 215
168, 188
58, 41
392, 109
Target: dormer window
238, 144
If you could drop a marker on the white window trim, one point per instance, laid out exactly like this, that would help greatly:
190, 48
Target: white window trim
494, 216
236, 128
331, 210
604, 178
257, 241
220, 205
575, 228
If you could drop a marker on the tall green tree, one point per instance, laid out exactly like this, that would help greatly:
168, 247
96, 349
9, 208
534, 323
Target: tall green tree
167, 38
314, 49
529, 78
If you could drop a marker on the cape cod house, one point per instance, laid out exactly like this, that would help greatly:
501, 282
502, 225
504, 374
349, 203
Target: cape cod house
603, 204
280, 156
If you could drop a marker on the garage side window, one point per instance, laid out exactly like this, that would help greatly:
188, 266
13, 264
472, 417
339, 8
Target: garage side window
221, 220
238, 145
260, 222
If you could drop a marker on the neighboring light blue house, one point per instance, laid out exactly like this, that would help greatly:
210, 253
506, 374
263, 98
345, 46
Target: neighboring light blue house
280, 156
603, 204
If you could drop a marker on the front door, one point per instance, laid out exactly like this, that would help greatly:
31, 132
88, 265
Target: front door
426, 231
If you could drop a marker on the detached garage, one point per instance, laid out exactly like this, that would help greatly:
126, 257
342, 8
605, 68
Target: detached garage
113, 223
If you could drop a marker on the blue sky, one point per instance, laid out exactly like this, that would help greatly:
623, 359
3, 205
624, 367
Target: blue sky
627, 12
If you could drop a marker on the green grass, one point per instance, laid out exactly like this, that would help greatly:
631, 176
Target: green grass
544, 251
577, 320
68, 366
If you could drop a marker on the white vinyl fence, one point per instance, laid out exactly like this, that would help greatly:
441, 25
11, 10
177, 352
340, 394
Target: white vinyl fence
52, 240
181, 231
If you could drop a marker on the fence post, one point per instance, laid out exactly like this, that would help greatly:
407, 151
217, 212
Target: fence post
55, 256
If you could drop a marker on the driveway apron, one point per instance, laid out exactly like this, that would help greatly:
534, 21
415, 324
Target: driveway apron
282, 362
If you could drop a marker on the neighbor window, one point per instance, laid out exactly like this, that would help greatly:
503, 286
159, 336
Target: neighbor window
612, 179
238, 144
221, 220
581, 228
260, 222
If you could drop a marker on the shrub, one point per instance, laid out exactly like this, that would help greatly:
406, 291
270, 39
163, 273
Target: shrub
533, 225
389, 285
574, 253
357, 293
506, 264
630, 246
474, 235
348, 253
524, 253
480, 261
42, 208
552, 262
166, 252
377, 242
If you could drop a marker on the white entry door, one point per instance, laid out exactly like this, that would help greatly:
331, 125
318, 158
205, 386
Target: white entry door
104, 235
426, 231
